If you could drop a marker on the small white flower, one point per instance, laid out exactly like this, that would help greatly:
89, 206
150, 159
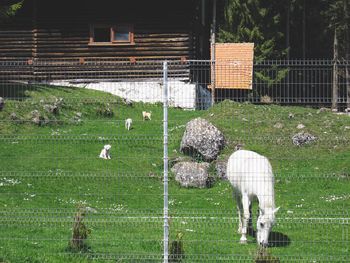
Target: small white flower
90, 210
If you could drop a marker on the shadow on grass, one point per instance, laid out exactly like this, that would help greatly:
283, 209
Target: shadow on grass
17, 91
276, 239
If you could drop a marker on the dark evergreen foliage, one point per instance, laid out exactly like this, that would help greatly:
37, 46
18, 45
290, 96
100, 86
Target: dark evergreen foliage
287, 28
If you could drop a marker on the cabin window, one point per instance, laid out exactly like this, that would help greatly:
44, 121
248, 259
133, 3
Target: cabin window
111, 34
122, 34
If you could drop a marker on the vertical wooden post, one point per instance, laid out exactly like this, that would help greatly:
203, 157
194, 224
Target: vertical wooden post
335, 73
212, 50
34, 35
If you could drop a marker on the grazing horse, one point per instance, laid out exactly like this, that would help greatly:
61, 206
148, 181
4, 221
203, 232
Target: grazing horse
251, 176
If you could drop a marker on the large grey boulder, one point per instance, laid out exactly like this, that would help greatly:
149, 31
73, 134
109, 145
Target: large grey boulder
203, 138
178, 159
191, 174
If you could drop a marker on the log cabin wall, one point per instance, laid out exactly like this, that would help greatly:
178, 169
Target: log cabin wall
16, 35
55, 35
16, 44
163, 30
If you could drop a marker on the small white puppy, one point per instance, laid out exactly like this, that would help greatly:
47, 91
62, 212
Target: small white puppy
128, 123
105, 152
146, 115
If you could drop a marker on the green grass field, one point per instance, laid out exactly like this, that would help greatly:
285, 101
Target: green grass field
48, 170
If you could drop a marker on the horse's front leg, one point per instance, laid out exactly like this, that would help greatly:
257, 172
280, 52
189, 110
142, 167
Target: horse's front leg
250, 222
246, 215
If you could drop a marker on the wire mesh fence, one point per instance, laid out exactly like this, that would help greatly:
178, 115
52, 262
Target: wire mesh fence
63, 200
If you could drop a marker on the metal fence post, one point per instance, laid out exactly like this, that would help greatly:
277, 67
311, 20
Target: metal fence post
165, 157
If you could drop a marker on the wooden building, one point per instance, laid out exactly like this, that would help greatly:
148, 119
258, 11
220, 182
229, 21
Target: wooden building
59, 39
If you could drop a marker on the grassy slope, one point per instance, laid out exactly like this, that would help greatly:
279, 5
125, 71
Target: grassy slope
55, 166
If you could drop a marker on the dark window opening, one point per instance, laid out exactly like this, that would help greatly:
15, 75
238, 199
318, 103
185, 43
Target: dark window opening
120, 34
102, 34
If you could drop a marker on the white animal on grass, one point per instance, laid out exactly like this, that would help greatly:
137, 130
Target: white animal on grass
128, 123
146, 115
251, 176
105, 152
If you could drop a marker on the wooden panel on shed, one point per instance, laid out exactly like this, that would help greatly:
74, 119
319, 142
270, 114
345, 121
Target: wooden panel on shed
234, 65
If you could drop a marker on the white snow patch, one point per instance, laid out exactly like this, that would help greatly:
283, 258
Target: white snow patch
181, 94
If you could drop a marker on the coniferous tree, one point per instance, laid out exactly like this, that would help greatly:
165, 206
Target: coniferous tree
254, 21
338, 20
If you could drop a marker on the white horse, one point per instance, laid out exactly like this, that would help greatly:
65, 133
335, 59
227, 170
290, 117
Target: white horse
251, 176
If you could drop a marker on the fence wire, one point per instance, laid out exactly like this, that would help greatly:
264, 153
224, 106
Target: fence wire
61, 202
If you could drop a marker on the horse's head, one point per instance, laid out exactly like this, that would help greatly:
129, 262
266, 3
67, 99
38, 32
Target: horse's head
265, 222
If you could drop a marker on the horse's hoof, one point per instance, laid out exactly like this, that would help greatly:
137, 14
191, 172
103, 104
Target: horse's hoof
243, 241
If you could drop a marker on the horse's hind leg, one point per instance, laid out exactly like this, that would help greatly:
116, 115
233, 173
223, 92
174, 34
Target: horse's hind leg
238, 198
246, 215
